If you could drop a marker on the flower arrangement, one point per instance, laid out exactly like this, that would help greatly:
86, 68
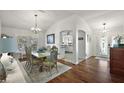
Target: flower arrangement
118, 39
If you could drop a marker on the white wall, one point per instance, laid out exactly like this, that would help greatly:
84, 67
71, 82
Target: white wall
83, 25
115, 31
65, 24
73, 23
111, 33
15, 31
41, 39
22, 32
81, 45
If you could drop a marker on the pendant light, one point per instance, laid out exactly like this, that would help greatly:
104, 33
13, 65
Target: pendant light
35, 29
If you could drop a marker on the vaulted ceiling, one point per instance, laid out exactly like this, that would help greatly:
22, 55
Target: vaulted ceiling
25, 18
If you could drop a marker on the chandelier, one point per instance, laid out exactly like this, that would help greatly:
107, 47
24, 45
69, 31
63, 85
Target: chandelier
35, 29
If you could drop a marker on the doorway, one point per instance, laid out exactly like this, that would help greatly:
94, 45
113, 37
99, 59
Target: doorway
102, 48
81, 45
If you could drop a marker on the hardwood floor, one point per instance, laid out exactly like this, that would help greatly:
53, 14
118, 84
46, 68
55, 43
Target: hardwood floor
90, 71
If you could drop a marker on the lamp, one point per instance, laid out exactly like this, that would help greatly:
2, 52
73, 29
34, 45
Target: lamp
35, 29
0, 46
7, 45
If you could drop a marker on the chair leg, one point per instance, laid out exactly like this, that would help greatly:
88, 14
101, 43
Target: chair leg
0, 80
50, 70
26, 64
57, 68
30, 68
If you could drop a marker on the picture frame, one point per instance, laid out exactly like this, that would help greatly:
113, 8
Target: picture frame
51, 39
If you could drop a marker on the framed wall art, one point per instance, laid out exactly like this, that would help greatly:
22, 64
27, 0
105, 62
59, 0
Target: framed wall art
51, 39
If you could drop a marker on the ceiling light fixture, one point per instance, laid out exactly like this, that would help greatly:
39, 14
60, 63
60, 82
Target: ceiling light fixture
104, 28
35, 29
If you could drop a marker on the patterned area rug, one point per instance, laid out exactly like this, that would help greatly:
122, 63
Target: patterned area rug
43, 77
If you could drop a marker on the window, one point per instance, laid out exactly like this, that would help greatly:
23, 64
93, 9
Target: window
103, 45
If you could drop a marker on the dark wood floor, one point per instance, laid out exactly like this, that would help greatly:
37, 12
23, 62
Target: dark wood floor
89, 71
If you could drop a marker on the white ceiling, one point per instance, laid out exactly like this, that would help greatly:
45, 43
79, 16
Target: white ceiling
25, 18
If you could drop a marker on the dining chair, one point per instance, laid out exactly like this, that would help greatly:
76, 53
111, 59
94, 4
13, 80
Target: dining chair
30, 61
51, 61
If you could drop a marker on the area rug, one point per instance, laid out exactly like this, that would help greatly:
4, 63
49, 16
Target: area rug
43, 77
